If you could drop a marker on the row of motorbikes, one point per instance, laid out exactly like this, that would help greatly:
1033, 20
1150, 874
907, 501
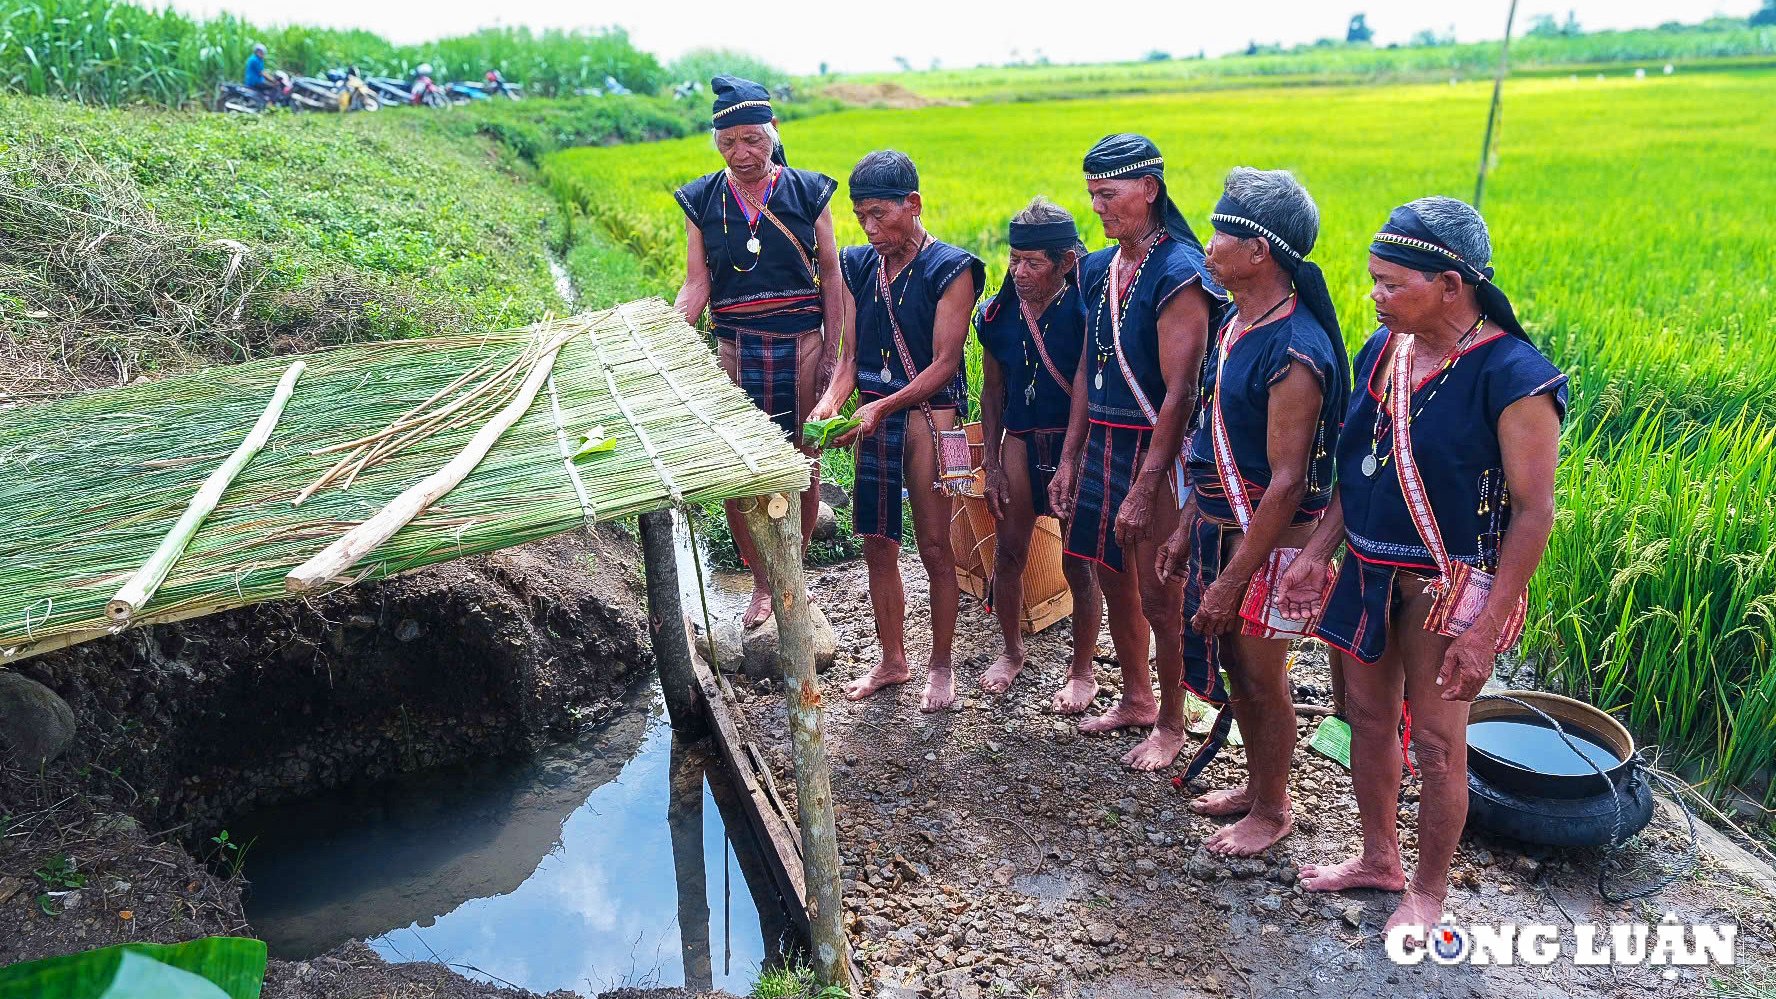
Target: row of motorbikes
344, 90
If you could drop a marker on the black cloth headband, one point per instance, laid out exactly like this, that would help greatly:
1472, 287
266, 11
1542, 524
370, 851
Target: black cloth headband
1406, 240
864, 192
1063, 235
739, 101
1127, 156
1237, 220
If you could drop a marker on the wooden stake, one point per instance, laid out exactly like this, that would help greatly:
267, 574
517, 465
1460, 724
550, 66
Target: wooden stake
141, 587
775, 525
672, 646
364, 538
1498, 86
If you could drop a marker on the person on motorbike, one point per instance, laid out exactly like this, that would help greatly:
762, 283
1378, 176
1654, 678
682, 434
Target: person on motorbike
420, 82
255, 77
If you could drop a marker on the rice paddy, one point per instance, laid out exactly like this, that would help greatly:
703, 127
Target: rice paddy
1630, 225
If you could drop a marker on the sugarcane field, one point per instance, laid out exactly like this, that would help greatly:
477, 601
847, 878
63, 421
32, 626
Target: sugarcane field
927, 502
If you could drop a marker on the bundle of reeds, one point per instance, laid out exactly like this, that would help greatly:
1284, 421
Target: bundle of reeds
89, 486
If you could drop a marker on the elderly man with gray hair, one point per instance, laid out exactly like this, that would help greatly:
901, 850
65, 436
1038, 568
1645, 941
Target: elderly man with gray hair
1260, 469
1445, 501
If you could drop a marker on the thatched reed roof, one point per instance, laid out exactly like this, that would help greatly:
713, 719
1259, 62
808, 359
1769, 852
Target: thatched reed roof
89, 485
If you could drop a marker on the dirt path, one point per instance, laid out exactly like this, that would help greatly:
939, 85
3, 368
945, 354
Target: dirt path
994, 850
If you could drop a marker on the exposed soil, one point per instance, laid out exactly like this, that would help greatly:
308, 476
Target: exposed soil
184, 725
995, 850
879, 95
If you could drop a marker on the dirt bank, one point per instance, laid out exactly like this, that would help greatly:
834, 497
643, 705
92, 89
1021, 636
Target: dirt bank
995, 850
182, 726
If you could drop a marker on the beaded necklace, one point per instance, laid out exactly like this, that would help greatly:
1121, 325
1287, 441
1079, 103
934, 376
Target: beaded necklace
752, 220
1375, 460
1116, 299
887, 372
1042, 331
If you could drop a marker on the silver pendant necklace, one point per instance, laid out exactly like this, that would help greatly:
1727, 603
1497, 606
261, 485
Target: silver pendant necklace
752, 246
1369, 466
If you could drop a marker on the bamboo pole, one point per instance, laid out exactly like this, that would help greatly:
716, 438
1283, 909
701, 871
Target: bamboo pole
141, 587
1498, 86
672, 646
364, 538
775, 525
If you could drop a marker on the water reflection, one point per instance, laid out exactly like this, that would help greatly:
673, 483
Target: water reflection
553, 873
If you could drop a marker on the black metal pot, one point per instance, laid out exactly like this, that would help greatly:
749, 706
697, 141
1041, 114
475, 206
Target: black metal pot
1575, 717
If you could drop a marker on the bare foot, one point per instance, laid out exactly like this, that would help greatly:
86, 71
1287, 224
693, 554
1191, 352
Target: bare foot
1251, 835
1075, 697
998, 679
1158, 750
1357, 872
759, 610
1122, 715
1219, 804
884, 675
1416, 909
940, 689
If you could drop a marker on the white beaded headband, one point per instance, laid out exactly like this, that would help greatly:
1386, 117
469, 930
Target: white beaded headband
1281, 243
1158, 161
730, 109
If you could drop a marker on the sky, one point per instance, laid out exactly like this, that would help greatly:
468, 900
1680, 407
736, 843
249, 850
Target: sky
799, 35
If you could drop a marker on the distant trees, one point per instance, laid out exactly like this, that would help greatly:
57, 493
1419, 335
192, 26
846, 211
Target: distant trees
1430, 39
1159, 55
1360, 33
1764, 17
1544, 26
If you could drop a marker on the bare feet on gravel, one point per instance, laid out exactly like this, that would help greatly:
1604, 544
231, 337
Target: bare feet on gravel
1157, 751
1075, 697
1357, 872
886, 674
998, 679
1251, 835
1122, 715
759, 610
1417, 908
940, 688
1220, 804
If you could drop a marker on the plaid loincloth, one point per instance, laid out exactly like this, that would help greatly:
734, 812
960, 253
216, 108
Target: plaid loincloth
875, 493
769, 345
1112, 460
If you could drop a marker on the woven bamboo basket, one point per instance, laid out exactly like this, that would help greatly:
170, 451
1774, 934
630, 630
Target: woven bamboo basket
973, 541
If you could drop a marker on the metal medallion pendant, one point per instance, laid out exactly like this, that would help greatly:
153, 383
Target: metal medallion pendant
1369, 466
752, 246
1099, 381
887, 376
1030, 394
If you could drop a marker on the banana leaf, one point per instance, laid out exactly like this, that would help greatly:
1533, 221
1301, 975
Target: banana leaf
211, 968
821, 433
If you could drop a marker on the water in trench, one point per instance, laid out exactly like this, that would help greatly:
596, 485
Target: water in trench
619, 859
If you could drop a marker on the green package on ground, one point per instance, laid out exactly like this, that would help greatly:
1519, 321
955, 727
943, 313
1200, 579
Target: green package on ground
821, 433
1332, 739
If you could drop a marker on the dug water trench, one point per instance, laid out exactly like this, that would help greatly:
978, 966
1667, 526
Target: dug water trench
619, 859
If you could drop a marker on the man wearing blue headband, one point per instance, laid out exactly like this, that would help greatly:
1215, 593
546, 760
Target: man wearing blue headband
1445, 500
1150, 309
1032, 334
758, 240
907, 296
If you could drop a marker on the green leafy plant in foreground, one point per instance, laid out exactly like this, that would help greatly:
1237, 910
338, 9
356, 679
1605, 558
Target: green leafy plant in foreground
794, 982
211, 968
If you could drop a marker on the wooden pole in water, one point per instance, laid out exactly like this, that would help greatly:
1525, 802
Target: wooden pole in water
1498, 86
774, 522
672, 647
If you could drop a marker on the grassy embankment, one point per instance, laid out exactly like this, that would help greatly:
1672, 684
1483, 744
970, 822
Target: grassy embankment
1636, 250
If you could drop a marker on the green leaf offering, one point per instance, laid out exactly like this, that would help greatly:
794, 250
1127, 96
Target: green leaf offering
210, 968
595, 442
821, 433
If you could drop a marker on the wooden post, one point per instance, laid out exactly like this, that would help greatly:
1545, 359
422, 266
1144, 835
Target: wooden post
672, 647
1498, 85
774, 522
684, 821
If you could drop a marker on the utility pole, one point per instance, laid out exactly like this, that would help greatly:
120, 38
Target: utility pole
1498, 86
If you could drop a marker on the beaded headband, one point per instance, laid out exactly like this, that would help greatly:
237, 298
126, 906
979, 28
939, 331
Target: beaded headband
1157, 161
730, 109
1275, 240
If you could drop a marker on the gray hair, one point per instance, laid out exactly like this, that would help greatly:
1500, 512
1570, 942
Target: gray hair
770, 130
1279, 203
1458, 226
1041, 210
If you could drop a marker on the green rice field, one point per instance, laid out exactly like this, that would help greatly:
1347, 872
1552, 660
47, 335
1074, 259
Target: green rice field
1631, 221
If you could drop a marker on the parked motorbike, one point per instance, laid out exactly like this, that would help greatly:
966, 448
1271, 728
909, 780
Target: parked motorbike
354, 93
238, 98
465, 93
497, 85
389, 89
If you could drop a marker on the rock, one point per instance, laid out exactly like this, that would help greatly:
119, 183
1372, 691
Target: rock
35, 724
1529, 867
730, 650
1100, 934
833, 495
759, 646
407, 630
1353, 915
1270, 903
826, 526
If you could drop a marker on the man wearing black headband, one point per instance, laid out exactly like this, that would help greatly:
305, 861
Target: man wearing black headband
1150, 308
908, 297
1260, 470
1445, 500
758, 237
1032, 334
